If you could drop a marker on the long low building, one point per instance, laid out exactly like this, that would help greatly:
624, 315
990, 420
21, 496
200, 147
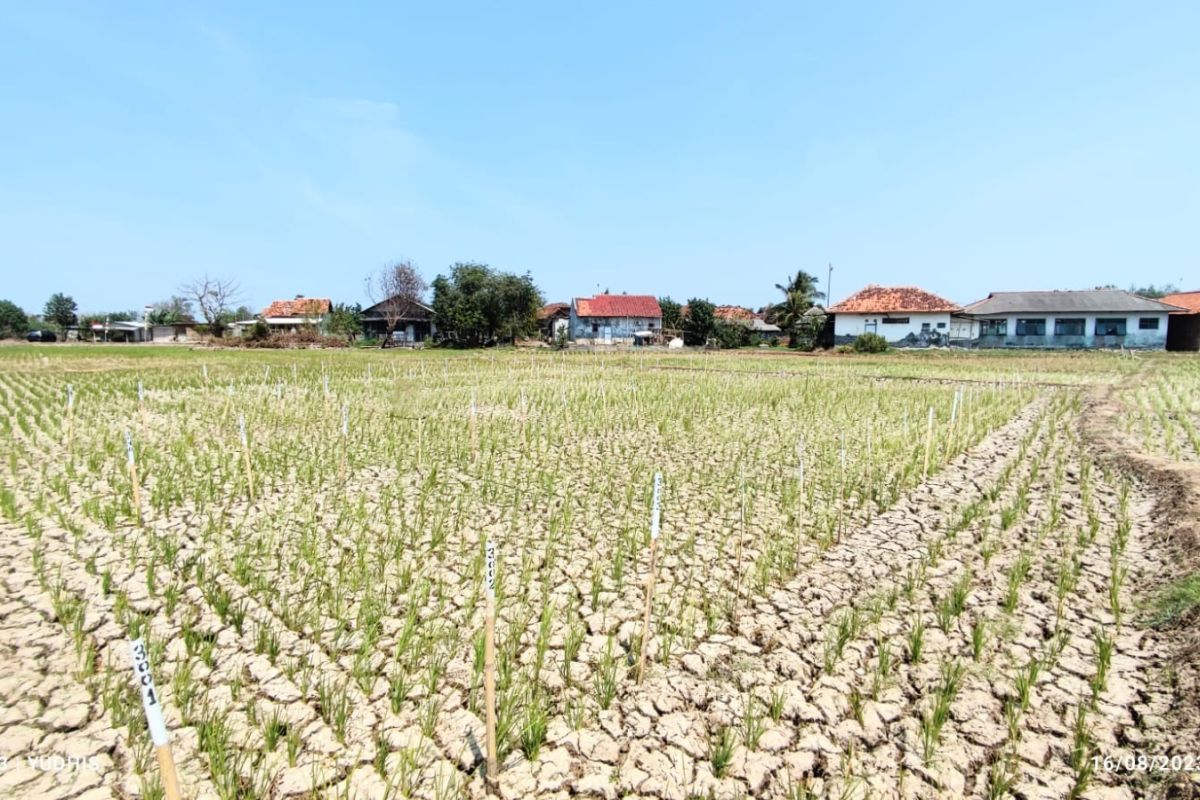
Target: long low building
1092, 318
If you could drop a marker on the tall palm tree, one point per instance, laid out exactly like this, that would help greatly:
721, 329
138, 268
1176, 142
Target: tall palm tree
799, 295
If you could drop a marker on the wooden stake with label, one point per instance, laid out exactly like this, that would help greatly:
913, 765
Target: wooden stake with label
133, 478
489, 660
246, 455
655, 516
152, 705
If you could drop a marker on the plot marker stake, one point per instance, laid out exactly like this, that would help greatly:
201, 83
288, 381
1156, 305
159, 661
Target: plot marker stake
246, 455
655, 516
70, 415
133, 477
152, 705
928, 443
489, 660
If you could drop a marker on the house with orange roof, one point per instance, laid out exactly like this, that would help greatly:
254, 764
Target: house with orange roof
904, 315
1183, 325
294, 314
615, 319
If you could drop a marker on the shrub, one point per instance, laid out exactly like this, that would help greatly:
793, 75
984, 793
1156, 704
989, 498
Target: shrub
870, 343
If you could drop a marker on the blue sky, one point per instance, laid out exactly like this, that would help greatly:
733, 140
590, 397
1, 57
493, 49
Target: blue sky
691, 149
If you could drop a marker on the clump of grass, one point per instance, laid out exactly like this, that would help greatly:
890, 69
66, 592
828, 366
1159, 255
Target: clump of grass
752, 723
1176, 603
720, 750
916, 640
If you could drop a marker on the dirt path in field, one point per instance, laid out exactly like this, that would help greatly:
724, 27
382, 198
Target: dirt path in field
1176, 489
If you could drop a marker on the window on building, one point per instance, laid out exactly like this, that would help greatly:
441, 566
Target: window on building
895, 320
1110, 327
924, 326
1069, 327
993, 327
941, 324
1031, 327
1148, 324
595, 327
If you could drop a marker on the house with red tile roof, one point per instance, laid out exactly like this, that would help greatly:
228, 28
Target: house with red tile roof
615, 319
900, 314
291, 315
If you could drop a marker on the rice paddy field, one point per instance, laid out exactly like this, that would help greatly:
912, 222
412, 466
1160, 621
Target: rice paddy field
910, 575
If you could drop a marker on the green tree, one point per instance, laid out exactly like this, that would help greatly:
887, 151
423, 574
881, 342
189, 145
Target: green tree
170, 312
476, 305
13, 321
672, 313
799, 295
346, 320
732, 333
62, 310
700, 324
1154, 292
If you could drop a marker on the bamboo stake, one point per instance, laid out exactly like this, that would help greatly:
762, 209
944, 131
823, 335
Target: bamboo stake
246, 455
345, 435
841, 503
152, 705
70, 416
133, 477
799, 498
489, 661
142, 407
474, 432
655, 516
928, 443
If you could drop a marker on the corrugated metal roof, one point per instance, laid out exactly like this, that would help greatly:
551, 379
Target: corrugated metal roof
1066, 302
892, 299
1187, 300
618, 305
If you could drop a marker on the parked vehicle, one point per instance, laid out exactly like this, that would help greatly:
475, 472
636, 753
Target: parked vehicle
41, 336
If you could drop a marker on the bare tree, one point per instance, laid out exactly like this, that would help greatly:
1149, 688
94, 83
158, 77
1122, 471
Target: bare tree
395, 289
213, 297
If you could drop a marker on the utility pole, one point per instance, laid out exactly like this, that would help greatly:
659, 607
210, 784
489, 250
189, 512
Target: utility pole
829, 287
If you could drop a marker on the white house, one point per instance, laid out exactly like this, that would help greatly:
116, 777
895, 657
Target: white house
900, 314
615, 318
1086, 319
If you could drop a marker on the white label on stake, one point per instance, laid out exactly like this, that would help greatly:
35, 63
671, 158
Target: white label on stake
489, 569
129, 448
151, 701
141, 392
325, 381
204, 368
70, 396
345, 420
242, 429
656, 508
